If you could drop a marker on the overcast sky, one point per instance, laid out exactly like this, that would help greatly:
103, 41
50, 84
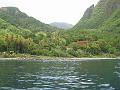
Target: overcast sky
48, 11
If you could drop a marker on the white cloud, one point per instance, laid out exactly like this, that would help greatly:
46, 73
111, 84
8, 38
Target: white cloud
52, 10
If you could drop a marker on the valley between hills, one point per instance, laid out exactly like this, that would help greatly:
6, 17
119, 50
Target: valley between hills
96, 35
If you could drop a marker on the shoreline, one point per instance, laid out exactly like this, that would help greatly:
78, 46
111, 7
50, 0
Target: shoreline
57, 58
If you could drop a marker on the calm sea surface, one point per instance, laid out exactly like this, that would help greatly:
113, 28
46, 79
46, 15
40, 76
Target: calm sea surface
60, 75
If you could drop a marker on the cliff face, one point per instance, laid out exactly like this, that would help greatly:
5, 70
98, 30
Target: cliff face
94, 17
111, 6
88, 12
12, 11
113, 23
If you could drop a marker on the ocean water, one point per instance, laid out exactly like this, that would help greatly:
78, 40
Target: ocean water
60, 75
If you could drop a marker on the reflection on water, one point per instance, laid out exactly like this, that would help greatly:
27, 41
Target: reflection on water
60, 75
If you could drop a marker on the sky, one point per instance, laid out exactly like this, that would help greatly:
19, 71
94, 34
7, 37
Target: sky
48, 11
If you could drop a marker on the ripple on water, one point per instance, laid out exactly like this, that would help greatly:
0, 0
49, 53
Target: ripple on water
104, 85
21, 80
37, 83
117, 73
110, 88
84, 86
5, 88
35, 88
117, 67
87, 83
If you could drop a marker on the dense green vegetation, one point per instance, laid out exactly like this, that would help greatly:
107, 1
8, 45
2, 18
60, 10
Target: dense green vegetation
96, 35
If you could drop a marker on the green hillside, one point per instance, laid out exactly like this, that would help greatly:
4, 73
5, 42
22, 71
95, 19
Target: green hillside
95, 17
113, 23
19, 19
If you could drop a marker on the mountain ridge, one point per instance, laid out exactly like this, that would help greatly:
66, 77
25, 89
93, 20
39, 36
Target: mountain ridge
61, 25
100, 13
19, 19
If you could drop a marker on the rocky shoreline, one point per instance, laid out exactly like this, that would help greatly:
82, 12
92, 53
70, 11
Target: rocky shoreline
56, 58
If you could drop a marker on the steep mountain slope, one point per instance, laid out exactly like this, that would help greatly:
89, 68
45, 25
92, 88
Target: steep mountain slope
61, 25
94, 17
113, 23
14, 16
